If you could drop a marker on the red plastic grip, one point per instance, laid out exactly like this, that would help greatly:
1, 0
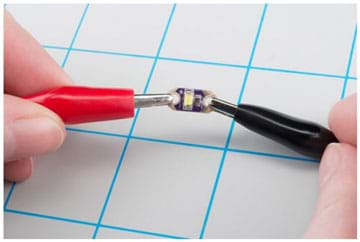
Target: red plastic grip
76, 104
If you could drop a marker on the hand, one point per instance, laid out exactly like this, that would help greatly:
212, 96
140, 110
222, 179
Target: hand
335, 214
29, 129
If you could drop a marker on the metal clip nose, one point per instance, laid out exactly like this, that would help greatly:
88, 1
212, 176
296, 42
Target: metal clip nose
152, 100
223, 107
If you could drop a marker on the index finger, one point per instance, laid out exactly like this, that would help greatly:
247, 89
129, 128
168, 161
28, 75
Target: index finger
28, 68
342, 120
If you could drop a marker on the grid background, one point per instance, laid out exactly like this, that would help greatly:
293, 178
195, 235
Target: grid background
185, 182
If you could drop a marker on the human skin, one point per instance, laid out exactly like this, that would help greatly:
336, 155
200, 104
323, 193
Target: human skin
335, 213
30, 130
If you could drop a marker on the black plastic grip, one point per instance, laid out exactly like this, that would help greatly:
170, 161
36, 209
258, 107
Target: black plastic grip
302, 136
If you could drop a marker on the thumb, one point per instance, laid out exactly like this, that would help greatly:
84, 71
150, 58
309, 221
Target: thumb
335, 213
29, 129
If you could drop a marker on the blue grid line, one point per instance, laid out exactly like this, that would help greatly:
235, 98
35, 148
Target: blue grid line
210, 147
255, 67
75, 36
287, 157
55, 47
142, 232
251, 152
145, 139
96, 132
115, 53
349, 64
116, 173
49, 217
133, 123
260, 68
104, 52
219, 172
306, 73
202, 62
159, 49
76, 221
9, 195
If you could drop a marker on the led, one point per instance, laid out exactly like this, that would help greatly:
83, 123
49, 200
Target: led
191, 100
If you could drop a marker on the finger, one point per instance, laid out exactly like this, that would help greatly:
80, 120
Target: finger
29, 129
335, 213
18, 170
342, 120
28, 67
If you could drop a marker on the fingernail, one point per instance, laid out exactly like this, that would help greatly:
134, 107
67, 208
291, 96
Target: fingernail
34, 136
329, 162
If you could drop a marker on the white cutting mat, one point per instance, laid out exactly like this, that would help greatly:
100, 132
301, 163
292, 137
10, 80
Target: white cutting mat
184, 175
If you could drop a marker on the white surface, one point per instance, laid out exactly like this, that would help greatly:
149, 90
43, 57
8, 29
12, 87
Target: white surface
47, 22
6, 189
106, 233
351, 88
255, 180
162, 187
73, 182
300, 37
204, 32
353, 63
167, 193
24, 227
129, 28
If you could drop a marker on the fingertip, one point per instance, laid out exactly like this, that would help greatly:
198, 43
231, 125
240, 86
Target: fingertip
329, 163
342, 120
335, 213
338, 159
18, 170
30, 129
35, 136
